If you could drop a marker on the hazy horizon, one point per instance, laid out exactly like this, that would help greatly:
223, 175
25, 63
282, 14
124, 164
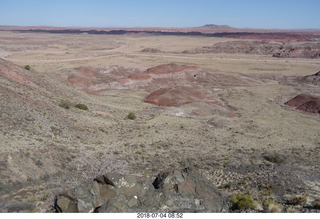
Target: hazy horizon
175, 13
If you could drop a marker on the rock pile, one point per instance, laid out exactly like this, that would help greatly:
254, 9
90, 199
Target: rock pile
171, 191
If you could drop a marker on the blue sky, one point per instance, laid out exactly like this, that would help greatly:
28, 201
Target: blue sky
282, 14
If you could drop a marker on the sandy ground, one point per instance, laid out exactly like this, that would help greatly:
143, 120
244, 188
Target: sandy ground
227, 149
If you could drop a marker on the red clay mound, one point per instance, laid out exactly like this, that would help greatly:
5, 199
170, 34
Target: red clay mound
171, 70
176, 96
312, 106
139, 77
79, 81
305, 103
17, 74
88, 71
86, 76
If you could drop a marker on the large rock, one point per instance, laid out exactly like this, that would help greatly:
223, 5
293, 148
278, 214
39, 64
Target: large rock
171, 191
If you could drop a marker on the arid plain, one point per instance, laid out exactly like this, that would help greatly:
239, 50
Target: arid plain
197, 100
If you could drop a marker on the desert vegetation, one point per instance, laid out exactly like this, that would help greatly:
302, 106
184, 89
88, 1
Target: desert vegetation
218, 108
131, 116
81, 106
242, 201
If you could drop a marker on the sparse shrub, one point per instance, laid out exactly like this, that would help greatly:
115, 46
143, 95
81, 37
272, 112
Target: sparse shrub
45, 197
275, 158
316, 205
81, 106
38, 163
27, 67
242, 201
298, 200
65, 104
272, 206
131, 116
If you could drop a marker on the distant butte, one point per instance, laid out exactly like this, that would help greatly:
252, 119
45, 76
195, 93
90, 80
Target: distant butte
208, 30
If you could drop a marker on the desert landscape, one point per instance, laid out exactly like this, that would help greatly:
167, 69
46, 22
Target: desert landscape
178, 118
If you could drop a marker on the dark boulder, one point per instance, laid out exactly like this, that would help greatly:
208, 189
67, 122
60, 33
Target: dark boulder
171, 191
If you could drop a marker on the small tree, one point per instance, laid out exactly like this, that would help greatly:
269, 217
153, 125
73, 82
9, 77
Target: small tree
131, 116
81, 106
27, 67
242, 201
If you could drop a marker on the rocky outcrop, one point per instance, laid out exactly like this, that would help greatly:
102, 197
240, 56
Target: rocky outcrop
313, 79
307, 50
263, 47
171, 191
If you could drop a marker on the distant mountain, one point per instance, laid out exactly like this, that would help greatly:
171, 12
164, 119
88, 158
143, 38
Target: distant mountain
217, 26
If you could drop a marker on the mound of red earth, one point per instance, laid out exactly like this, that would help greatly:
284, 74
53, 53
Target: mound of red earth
85, 77
305, 102
311, 79
139, 76
169, 85
175, 96
171, 69
17, 74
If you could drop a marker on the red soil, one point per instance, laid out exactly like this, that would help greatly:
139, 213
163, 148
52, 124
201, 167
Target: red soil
16, 74
139, 77
176, 96
171, 69
179, 85
305, 102
87, 71
79, 81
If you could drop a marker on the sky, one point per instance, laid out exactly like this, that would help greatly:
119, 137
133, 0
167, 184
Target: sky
278, 14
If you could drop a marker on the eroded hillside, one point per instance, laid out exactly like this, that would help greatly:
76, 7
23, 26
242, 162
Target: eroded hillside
224, 114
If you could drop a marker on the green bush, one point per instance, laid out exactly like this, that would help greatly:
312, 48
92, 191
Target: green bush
27, 67
298, 200
275, 158
65, 104
242, 201
131, 116
81, 106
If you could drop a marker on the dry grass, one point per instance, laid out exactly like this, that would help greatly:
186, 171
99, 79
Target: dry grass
159, 137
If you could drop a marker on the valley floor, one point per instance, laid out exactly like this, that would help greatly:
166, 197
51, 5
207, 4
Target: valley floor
222, 113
